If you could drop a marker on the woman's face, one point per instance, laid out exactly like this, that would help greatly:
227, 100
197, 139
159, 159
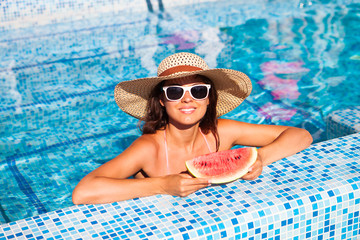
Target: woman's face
186, 111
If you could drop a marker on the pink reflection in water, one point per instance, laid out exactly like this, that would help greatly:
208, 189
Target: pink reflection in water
273, 111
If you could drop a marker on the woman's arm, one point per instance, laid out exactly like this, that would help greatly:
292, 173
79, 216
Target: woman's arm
99, 189
93, 190
291, 140
110, 183
274, 142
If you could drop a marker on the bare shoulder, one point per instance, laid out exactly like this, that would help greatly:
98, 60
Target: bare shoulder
227, 126
234, 132
145, 145
140, 153
241, 133
233, 126
229, 131
227, 122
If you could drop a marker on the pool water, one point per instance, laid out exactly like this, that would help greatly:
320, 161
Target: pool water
58, 117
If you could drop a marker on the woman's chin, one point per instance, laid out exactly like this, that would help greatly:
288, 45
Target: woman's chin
185, 123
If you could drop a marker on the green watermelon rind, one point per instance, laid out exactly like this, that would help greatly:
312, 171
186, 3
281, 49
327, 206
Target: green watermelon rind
226, 176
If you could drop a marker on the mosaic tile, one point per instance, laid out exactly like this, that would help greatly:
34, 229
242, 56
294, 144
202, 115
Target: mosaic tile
314, 194
343, 122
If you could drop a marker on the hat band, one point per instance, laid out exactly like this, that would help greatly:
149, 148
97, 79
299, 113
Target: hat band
176, 69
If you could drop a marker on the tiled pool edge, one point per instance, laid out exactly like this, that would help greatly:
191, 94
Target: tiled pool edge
314, 194
343, 122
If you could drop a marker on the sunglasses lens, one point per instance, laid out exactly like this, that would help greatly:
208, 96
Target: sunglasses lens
199, 92
174, 93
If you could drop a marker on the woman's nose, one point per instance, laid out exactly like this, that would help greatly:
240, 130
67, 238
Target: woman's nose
187, 97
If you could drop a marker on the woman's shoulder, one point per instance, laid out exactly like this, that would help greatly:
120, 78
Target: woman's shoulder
232, 129
142, 151
228, 124
148, 143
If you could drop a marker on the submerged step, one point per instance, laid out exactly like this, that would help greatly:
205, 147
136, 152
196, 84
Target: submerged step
41, 178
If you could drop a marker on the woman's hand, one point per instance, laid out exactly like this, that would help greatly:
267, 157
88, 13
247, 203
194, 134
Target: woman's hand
182, 184
255, 170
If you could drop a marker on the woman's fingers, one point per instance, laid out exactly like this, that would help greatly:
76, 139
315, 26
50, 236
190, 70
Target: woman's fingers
193, 186
189, 184
254, 171
183, 184
252, 174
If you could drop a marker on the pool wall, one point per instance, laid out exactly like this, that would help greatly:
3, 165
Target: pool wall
343, 122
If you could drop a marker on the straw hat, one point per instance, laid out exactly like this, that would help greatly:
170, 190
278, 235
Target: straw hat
232, 86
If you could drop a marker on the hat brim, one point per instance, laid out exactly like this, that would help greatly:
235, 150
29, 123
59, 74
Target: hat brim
232, 87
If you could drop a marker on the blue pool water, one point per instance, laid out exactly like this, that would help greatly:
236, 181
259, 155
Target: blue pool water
59, 120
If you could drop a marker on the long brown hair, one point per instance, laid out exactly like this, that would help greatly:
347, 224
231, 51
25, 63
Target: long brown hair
156, 117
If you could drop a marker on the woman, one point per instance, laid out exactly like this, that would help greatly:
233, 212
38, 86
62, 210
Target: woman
180, 109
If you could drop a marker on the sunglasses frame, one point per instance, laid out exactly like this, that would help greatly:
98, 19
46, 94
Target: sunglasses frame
187, 89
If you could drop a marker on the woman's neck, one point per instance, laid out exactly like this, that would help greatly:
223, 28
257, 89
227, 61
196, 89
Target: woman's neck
184, 138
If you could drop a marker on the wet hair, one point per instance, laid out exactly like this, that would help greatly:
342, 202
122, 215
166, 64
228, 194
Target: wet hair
156, 117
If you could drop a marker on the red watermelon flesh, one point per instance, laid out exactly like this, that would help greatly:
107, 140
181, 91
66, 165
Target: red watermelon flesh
223, 166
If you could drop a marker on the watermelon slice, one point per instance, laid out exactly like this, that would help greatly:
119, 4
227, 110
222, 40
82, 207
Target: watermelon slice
224, 166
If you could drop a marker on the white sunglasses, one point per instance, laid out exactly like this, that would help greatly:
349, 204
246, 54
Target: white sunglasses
197, 92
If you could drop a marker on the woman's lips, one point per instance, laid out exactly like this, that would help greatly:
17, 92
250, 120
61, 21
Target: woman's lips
187, 110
